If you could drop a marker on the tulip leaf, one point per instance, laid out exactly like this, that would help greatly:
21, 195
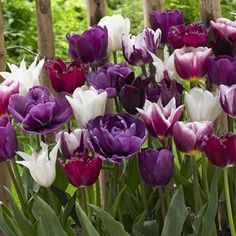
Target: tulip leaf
112, 226
176, 215
86, 225
138, 225
151, 228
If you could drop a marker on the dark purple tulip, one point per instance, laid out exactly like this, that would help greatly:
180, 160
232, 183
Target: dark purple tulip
39, 112
136, 48
165, 20
66, 77
220, 151
90, 46
114, 137
156, 166
193, 35
82, 170
105, 78
188, 136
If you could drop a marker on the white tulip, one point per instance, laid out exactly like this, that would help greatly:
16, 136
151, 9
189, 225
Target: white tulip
87, 104
116, 26
41, 166
26, 78
202, 105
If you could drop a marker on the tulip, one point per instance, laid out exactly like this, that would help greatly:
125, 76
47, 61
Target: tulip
26, 78
136, 49
228, 99
90, 46
66, 77
156, 166
7, 88
222, 70
114, 137
191, 63
193, 35
42, 166
39, 112
188, 136
82, 170
202, 105
159, 119
221, 150
116, 26
8, 140
87, 104
165, 20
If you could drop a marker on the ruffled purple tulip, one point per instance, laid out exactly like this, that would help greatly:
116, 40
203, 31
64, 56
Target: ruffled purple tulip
222, 70
159, 119
165, 20
82, 170
90, 46
114, 137
188, 136
191, 63
193, 35
66, 77
8, 140
39, 112
156, 166
136, 48
220, 151
105, 78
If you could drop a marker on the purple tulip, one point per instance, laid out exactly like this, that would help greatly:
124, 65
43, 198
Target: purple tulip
136, 48
160, 119
8, 140
114, 137
191, 63
193, 35
156, 166
165, 20
66, 77
39, 112
220, 151
188, 136
90, 46
105, 78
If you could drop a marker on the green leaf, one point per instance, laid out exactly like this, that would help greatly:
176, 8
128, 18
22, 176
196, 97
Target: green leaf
86, 225
111, 226
49, 223
176, 215
138, 225
151, 228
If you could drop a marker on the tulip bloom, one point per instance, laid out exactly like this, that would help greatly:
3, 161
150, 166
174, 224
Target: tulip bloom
220, 151
42, 166
39, 112
136, 49
202, 105
116, 26
87, 104
114, 137
188, 136
191, 63
222, 70
26, 78
82, 170
8, 140
165, 20
156, 166
90, 46
159, 119
66, 77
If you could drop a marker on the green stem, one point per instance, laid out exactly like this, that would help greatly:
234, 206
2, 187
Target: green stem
144, 71
195, 185
83, 198
204, 176
98, 196
87, 202
163, 205
117, 104
115, 57
228, 203
230, 124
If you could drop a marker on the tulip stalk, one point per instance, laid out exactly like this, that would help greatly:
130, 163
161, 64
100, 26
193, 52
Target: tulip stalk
144, 70
204, 176
195, 185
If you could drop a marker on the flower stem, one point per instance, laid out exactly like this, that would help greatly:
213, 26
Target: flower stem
84, 199
117, 104
204, 176
230, 124
98, 197
228, 203
195, 185
114, 57
163, 205
144, 71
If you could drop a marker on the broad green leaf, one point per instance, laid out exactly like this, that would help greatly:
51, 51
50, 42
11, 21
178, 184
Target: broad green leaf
112, 226
86, 225
176, 215
151, 228
138, 225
